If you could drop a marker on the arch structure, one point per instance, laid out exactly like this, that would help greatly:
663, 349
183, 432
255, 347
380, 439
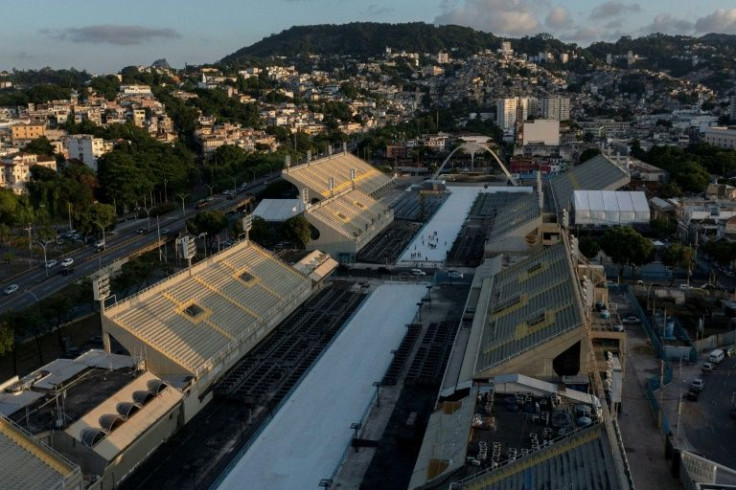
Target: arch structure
473, 148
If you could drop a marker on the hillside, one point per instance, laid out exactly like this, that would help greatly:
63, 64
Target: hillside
366, 39
678, 55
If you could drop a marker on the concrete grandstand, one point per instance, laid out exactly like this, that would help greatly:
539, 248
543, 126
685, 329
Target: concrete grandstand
340, 192
193, 326
32, 465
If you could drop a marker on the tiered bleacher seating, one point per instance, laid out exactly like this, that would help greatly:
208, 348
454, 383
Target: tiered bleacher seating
228, 300
531, 302
315, 175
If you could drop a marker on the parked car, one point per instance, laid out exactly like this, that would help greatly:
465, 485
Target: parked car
692, 395
631, 320
51, 263
11, 289
418, 272
707, 368
455, 274
697, 385
67, 262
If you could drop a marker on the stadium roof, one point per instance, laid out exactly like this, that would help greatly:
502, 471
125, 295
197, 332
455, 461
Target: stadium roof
582, 460
28, 464
598, 173
530, 302
122, 418
279, 209
516, 213
351, 213
315, 175
195, 317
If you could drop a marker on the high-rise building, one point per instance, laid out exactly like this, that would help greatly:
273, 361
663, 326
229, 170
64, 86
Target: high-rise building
511, 110
556, 108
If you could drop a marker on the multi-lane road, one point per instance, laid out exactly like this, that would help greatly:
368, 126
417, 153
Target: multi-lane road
125, 241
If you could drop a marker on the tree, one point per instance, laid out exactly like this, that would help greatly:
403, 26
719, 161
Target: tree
94, 217
625, 246
589, 246
662, 227
296, 230
677, 255
39, 146
7, 337
210, 222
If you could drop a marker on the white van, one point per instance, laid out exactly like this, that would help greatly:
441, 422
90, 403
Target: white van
716, 356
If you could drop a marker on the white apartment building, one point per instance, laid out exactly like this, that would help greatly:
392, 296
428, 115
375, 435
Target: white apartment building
556, 108
87, 149
16, 169
508, 111
721, 136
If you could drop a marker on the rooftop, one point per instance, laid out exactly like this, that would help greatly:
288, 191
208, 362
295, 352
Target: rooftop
316, 175
530, 302
598, 173
31, 465
195, 315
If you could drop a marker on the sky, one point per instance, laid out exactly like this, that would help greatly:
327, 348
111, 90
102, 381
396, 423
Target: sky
103, 36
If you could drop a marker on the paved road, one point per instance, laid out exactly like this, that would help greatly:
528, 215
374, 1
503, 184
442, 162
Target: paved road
38, 282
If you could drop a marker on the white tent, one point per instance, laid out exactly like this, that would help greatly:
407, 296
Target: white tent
610, 208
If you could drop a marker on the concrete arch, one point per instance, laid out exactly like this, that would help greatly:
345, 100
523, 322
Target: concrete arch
473, 148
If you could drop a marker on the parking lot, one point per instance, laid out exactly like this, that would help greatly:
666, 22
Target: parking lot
706, 424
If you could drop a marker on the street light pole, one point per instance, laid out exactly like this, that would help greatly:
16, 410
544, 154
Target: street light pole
69, 207
183, 209
30, 245
45, 262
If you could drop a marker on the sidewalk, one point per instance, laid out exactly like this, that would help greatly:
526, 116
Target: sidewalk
643, 441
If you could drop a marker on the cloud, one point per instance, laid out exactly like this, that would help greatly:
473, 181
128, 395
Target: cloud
378, 10
584, 34
558, 18
612, 9
723, 21
510, 17
666, 23
112, 34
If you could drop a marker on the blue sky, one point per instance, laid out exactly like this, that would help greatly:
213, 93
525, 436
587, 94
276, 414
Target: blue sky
105, 35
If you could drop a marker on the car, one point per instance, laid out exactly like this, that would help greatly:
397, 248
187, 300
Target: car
455, 274
707, 368
692, 395
697, 385
67, 271
140, 231
618, 328
418, 272
67, 262
51, 263
99, 244
631, 320
684, 286
11, 289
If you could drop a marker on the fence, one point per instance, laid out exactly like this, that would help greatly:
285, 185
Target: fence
714, 341
653, 383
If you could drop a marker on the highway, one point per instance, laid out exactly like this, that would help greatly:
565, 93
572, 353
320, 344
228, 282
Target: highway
124, 241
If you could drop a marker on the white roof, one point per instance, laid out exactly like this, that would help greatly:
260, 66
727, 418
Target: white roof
626, 201
279, 209
307, 438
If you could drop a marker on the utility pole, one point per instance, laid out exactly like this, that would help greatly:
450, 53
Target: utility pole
661, 393
30, 247
183, 209
679, 411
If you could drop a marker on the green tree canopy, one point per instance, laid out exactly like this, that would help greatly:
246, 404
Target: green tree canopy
625, 246
296, 230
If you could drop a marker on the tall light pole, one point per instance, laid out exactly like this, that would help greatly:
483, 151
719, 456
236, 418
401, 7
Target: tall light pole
69, 208
30, 245
45, 262
183, 209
